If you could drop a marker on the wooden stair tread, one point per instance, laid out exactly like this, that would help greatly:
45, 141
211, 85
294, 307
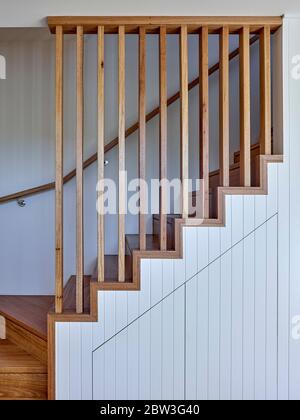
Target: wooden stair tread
133, 242
29, 312
14, 360
170, 217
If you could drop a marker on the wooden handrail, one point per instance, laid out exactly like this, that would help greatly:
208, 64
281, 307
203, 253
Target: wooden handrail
153, 23
113, 143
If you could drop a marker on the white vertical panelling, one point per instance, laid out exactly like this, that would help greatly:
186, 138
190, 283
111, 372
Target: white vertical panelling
98, 374
226, 238
191, 337
122, 364
168, 277
62, 366
133, 306
271, 311
237, 212
121, 309
179, 345
272, 197
249, 214
75, 361
260, 312
156, 281
98, 327
156, 354
214, 331
87, 361
109, 371
144, 356
191, 264
168, 327
133, 361
203, 248
179, 272
237, 322
214, 241
260, 210
202, 331
145, 360
110, 314
209, 336
248, 317
225, 327
145, 294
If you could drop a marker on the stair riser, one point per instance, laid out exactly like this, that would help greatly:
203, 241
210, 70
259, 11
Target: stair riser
23, 386
27, 341
170, 232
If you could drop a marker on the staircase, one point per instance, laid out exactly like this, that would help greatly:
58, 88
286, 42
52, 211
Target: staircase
27, 352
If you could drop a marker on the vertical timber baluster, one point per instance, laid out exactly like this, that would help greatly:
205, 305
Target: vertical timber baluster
122, 186
204, 119
224, 107
142, 135
163, 135
184, 95
79, 170
59, 253
245, 165
265, 91
101, 229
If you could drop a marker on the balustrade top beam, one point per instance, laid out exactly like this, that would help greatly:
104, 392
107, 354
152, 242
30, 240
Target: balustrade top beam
152, 23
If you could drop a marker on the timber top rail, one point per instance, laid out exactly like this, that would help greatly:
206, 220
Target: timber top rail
113, 143
152, 24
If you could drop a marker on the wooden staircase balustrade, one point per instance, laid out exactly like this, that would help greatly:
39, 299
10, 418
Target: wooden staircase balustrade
163, 135
245, 171
100, 114
79, 168
113, 143
59, 264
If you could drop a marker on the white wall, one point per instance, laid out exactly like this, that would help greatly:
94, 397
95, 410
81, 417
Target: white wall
289, 223
27, 143
17, 13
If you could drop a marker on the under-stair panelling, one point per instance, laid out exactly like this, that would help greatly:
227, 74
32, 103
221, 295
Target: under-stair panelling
203, 247
215, 337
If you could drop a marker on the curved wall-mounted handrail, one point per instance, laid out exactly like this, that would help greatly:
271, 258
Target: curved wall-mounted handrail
113, 143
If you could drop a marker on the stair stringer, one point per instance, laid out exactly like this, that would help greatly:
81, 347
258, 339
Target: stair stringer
160, 277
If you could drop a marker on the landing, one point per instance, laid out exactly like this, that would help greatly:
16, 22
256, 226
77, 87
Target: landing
30, 312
